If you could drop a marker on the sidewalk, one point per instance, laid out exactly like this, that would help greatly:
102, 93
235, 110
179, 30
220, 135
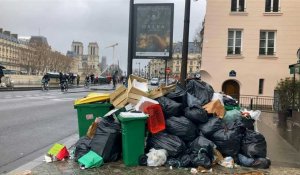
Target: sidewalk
283, 156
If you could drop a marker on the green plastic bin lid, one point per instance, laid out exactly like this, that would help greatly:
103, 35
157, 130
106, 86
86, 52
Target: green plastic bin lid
93, 105
130, 116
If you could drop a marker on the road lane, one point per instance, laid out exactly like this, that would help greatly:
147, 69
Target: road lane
31, 121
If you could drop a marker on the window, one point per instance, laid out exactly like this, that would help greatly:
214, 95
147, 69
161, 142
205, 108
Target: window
177, 68
272, 6
177, 62
267, 43
260, 86
191, 69
234, 42
237, 5
191, 62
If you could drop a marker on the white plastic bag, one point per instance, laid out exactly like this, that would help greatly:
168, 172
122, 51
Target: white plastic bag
218, 96
143, 103
156, 157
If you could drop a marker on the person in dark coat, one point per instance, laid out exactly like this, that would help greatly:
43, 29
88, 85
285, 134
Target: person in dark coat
1, 74
114, 78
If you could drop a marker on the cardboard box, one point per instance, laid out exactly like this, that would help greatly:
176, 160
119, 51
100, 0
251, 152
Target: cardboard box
134, 90
161, 91
118, 92
132, 101
120, 99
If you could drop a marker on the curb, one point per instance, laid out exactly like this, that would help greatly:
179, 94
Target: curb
68, 142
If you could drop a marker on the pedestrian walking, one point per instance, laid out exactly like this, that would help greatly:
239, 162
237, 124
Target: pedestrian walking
1, 74
78, 79
115, 76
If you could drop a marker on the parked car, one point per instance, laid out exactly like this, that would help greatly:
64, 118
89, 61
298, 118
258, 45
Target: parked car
154, 82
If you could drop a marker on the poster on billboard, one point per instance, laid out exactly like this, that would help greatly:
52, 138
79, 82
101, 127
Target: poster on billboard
153, 30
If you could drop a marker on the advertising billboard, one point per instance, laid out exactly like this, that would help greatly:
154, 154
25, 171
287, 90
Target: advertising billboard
153, 30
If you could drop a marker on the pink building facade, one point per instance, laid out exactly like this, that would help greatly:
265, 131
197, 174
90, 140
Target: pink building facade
248, 45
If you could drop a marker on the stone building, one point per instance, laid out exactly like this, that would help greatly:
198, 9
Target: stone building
157, 66
88, 63
9, 45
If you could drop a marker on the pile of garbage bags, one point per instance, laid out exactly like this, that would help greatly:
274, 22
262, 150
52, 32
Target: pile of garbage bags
202, 128
198, 124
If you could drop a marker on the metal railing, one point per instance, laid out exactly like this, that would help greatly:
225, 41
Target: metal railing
263, 103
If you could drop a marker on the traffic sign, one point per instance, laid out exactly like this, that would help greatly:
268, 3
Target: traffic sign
168, 70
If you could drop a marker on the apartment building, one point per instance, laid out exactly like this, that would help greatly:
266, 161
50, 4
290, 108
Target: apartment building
248, 45
157, 66
9, 46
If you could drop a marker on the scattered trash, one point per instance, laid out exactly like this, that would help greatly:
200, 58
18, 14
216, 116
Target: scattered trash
90, 160
227, 162
156, 157
204, 170
58, 151
194, 171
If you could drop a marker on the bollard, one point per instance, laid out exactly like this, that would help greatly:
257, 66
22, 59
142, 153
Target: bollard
251, 104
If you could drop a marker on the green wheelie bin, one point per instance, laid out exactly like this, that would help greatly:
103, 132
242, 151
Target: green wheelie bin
87, 113
133, 136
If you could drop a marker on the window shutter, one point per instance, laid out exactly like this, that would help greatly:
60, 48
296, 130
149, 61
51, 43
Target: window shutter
242, 5
275, 5
233, 5
268, 6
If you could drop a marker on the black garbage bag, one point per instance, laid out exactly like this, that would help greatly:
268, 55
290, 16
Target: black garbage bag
171, 143
179, 95
262, 163
211, 126
201, 142
181, 127
170, 107
196, 114
204, 158
193, 101
201, 90
248, 123
228, 139
254, 145
107, 140
182, 161
229, 101
82, 146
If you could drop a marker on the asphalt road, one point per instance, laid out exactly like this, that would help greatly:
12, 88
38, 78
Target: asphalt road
31, 121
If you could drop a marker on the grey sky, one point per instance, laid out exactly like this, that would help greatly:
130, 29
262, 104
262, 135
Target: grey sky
102, 21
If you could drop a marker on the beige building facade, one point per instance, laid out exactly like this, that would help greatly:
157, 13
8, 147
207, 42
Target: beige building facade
248, 45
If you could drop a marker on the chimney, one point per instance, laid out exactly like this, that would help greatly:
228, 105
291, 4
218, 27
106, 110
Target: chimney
15, 35
6, 33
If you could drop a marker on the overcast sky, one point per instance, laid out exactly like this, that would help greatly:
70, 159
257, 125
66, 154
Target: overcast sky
102, 21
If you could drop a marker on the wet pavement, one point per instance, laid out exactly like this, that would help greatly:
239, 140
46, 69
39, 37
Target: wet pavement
284, 156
